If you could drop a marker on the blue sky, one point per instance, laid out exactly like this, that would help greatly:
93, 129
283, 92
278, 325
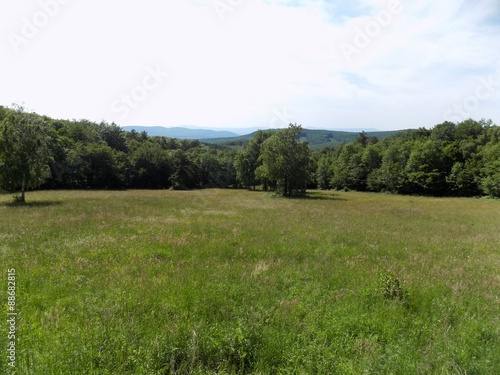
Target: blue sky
254, 63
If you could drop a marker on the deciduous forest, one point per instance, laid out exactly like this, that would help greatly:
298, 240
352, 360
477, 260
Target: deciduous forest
450, 159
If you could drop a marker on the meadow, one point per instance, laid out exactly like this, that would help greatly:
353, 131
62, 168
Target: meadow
241, 282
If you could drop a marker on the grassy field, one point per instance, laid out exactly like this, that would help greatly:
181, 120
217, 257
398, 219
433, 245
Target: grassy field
237, 282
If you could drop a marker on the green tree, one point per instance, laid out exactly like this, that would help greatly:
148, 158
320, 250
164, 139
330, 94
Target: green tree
491, 181
444, 132
185, 173
151, 166
463, 178
324, 172
348, 168
391, 175
469, 129
425, 169
247, 162
82, 131
61, 147
3, 113
285, 161
114, 136
105, 170
24, 152
363, 139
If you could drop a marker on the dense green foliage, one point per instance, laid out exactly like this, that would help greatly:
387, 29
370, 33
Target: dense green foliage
87, 155
285, 161
24, 152
222, 281
451, 159
249, 161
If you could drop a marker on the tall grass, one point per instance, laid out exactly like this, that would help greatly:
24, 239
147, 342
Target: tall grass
237, 282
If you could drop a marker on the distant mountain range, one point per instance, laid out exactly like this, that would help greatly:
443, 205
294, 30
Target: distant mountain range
181, 133
316, 138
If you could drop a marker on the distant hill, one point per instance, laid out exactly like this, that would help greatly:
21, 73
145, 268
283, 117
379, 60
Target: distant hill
317, 138
181, 133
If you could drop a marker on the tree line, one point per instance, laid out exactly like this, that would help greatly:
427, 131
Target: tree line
40, 152
449, 160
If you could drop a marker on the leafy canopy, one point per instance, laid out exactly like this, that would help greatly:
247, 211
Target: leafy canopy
285, 161
24, 152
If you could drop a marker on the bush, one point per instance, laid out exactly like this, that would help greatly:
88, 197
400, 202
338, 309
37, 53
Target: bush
491, 185
391, 288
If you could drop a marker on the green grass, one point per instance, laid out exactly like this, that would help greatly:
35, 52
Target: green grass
237, 282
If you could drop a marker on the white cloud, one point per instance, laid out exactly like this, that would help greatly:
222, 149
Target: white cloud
262, 57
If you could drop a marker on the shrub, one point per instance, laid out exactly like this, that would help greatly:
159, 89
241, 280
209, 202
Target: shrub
391, 288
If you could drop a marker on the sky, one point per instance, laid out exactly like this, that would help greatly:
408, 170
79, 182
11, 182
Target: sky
359, 64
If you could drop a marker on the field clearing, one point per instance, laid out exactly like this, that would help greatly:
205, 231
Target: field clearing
232, 281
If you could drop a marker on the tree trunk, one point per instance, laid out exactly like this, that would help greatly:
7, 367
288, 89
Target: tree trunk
23, 188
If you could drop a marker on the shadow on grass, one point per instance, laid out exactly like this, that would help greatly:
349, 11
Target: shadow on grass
35, 204
320, 196
310, 195
315, 195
